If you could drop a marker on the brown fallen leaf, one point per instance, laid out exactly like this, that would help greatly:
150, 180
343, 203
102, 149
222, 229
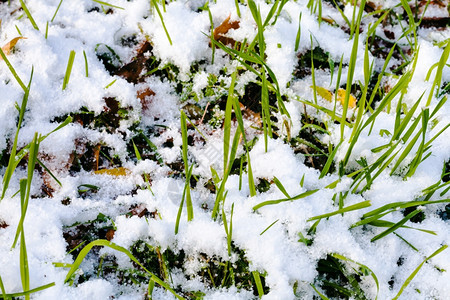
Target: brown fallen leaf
110, 234
221, 31
8, 47
132, 71
145, 96
121, 171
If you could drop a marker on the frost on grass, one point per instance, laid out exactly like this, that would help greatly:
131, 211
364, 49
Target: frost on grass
267, 191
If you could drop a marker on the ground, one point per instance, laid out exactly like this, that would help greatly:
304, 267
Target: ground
224, 150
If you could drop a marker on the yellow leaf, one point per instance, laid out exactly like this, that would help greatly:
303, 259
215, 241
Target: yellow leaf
8, 47
121, 171
341, 97
324, 93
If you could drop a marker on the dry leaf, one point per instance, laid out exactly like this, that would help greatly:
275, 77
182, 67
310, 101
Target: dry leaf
110, 234
327, 95
145, 97
8, 47
222, 30
341, 97
132, 71
249, 114
324, 93
121, 171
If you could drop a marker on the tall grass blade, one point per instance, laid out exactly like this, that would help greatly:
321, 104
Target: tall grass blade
30, 17
155, 5
272, 202
414, 273
258, 283
68, 69
105, 243
29, 292
356, 206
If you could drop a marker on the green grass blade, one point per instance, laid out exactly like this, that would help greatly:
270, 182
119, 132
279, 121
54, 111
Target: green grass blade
111, 245
268, 227
299, 33
258, 283
395, 226
356, 206
322, 296
155, 5
414, 273
364, 268
68, 69
272, 202
12, 70
280, 187
32, 160
107, 4
24, 270
329, 161
30, 17
2, 287
29, 292
188, 170
56, 11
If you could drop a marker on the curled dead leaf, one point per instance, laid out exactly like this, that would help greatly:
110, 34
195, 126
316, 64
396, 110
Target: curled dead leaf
221, 31
8, 47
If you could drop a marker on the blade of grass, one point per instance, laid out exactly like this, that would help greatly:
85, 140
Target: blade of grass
12, 163
272, 202
395, 226
32, 160
107, 4
414, 273
155, 5
29, 292
56, 11
356, 206
24, 269
105, 243
258, 283
68, 69
299, 32
190, 211
365, 268
268, 227
12, 70
30, 17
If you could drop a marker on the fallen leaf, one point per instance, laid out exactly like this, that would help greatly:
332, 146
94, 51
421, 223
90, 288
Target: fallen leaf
221, 30
324, 93
249, 114
145, 97
341, 97
327, 95
131, 72
110, 234
8, 47
121, 171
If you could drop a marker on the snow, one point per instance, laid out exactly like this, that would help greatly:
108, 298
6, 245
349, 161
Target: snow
275, 253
